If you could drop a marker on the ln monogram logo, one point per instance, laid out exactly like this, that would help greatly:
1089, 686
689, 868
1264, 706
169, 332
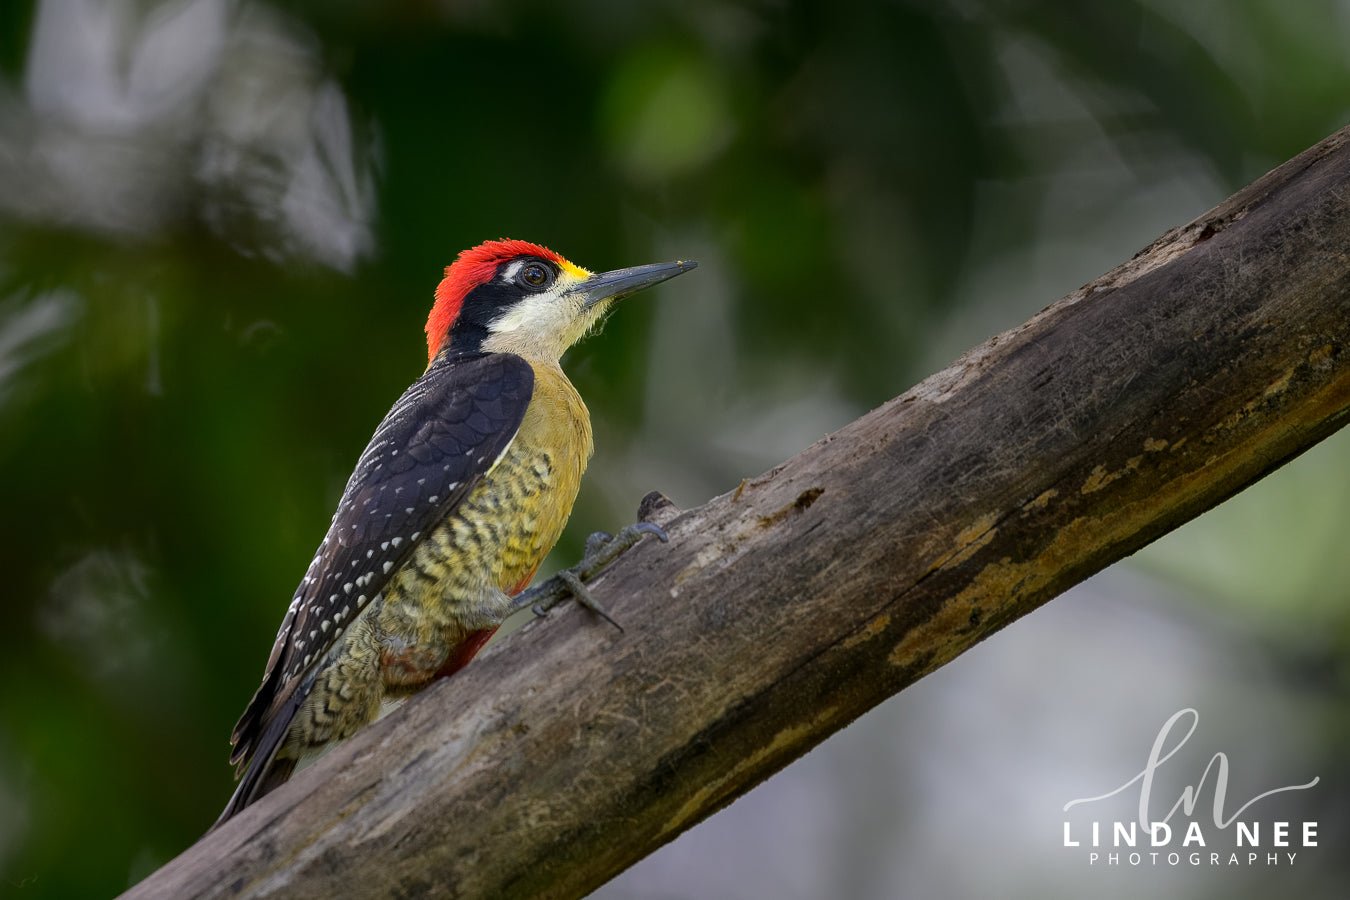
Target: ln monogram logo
1253, 842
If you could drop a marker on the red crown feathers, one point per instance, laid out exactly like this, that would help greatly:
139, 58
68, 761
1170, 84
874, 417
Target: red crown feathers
473, 267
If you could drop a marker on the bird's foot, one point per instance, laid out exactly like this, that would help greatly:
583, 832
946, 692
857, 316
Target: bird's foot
602, 549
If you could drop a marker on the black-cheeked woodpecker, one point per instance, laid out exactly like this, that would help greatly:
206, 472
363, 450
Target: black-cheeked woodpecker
464, 488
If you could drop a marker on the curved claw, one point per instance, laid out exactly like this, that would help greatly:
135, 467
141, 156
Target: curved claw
653, 529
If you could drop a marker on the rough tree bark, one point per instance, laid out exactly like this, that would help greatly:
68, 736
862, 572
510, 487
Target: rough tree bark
782, 610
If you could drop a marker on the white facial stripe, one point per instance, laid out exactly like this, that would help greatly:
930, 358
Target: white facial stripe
511, 271
538, 313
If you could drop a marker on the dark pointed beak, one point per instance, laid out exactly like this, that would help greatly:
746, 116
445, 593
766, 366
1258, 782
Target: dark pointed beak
622, 282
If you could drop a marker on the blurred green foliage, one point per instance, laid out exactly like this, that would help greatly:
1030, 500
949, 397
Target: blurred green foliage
222, 223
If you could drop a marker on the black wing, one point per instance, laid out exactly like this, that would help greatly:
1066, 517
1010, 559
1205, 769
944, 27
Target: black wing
446, 431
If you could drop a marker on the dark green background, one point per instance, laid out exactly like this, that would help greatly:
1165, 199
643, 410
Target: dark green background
221, 225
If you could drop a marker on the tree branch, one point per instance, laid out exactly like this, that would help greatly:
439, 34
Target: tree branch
781, 611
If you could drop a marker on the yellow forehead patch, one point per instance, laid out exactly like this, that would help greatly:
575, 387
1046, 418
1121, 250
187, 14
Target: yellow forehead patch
574, 271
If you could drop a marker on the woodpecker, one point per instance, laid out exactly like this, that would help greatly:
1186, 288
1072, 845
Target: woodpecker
463, 489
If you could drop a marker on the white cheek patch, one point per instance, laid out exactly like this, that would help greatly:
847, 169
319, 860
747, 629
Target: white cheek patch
537, 314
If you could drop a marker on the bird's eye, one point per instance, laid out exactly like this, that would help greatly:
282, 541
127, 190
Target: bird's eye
536, 275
